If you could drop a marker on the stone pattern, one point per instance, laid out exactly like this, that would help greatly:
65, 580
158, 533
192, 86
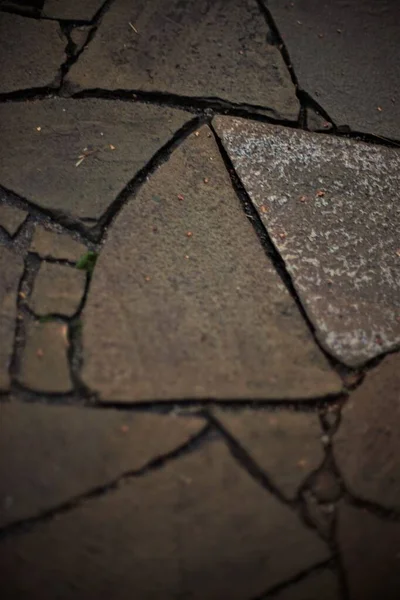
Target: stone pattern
11, 269
48, 244
57, 290
11, 218
332, 209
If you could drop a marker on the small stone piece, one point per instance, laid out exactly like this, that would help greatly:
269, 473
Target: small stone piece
225, 56
11, 218
57, 290
73, 10
316, 122
316, 586
320, 515
326, 486
48, 244
45, 363
285, 444
79, 36
340, 246
199, 528
11, 269
50, 454
31, 53
369, 547
367, 443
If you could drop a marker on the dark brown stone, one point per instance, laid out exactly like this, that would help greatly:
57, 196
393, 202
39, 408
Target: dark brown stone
57, 290
74, 10
11, 269
322, 585
49, 244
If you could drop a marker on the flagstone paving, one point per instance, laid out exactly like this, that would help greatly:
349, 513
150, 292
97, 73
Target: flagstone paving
199, 306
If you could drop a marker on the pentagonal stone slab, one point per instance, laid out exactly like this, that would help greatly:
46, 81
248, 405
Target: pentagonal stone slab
192, 48
369, 549
31, 53
286, 445
76, 156
50, 455
11, 269
58, 290
199, 528
367, 444
184, 302
75, 10
346, 56
332, 208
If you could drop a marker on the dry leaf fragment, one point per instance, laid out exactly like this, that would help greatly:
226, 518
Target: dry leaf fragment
320, 193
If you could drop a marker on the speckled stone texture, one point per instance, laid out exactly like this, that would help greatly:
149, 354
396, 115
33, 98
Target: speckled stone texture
194, 48
332, 208
346, 55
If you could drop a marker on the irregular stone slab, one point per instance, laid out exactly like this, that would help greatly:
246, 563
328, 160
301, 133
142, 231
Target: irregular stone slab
75, 10
45, 363
184, 302
335, 47
192, 48
31, 53
11, 218
79, 36
286, 445
369, 548
199, 528
42, 143
57, 290
322, 584
48, 244
49, 455
332, 209
367, 444
11, 269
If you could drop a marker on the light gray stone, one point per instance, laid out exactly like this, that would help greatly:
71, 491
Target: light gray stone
57, 290
332, 209
193, 48
285, 444
75, 10
200, 527
52, 454
367, 444
11, 269
322, 584
49, 244
31, 54
346, 55
11, 218
45, 363
42, 143
184, 302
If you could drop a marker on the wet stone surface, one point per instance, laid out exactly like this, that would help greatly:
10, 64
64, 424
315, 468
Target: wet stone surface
31, 53
11, 218
57, 290
346, 55
43, 143
214, 50
11, 269
184, 302
49, 244
332, 208
199, 528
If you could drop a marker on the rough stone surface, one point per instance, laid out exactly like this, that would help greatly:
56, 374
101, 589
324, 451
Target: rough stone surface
75, 10
286, 445
79, 37
44, 364
199, 528
332, 208
31, 53
185, 304
367, 444
41, 164
346, 56
48, 244
50, 455
11, 218
192, 48
57, 290
11, 269
369, 547
322, 584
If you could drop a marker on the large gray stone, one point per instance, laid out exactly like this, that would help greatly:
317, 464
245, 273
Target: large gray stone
11, 218
200, 528
369, 547
75, 10
31, 53
346, 55
367, 444
191, 48
285, 444
42, 143
332, 209
184, 302
49, 455
57, 290
11, 269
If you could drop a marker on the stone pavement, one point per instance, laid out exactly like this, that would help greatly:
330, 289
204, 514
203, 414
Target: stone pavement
199, 299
